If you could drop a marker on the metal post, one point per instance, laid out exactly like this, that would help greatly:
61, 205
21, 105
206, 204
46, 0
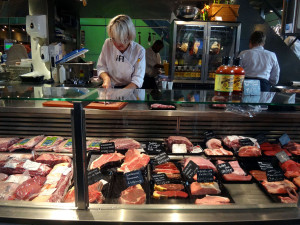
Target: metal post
79, 156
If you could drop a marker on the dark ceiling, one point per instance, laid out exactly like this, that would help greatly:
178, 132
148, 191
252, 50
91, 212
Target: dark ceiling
266, 5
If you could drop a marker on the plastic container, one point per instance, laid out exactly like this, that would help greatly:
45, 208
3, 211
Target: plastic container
62, 74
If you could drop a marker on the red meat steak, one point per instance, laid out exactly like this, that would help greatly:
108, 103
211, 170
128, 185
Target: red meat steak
201, 162
134, 160
5, 143
169, 194
106, 158
287, 200
52, 159
168, 187
235, 177
212, 200
237, 170
278, 187
179, 140
205, 188
168, 165
125, 143
259, 175
214, 144
291, 168
133, 195
296, 181
249, 151
217, 151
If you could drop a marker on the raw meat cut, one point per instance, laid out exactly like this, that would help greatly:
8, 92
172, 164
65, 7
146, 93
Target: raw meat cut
293, 147
8, 187
249, 151
107, 158
57, 183
234, 177
162, 106
211, 188
238, 173
219, 151
287, 199
278, 187
274, 152
94, 144
169, 194
167, 168
234, 141
214, 144
217, 98
291, 168
168, 187
296, 181
5, 143
174, 176
48, 143
28, 189
266, 146
259, 175
3, 176
15, 166
201, 162
64, 146
272, 149
52, 159
179, 140
134, 160
125, 143
133, 195
26, 143
95, 194
212, 200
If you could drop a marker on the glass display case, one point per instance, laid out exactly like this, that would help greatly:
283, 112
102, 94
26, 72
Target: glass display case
198, 47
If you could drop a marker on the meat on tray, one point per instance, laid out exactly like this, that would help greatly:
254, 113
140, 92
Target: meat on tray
219, 151
94, 144
212, 200
133, 195
278, 187
95, 194
259, 175
125, 143
179, 140
211, 188
134, 160
26, 143
16, 166
269, 149
3, 176
293, 147
169, 194
57, 183
291, 168
52, 159
214, 144
48, 143
287, 200
8, 187
5, 143
169, 168
238, 173
64, 146
234, 141
201, 162
249, 151
296, 181
162, 106
104, 159
168, 187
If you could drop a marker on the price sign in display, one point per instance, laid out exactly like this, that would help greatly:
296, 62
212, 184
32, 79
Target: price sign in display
282, 156
265, 165
284, 139
251, 87
205, 175
224, 168
261, 138
209, 134
108, 147
134, 178
154, 147
162, 158
246, 142
190, 170
274, 175
94, 175
160, 178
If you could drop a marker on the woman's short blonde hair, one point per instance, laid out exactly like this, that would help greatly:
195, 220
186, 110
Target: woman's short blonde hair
121, 29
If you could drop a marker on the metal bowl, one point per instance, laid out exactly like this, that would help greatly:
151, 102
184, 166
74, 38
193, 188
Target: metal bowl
186, 12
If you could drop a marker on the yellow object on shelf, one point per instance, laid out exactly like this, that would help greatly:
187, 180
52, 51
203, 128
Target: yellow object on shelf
166, 68
226, 12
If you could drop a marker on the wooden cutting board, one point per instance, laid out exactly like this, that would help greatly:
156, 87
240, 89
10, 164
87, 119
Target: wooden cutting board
93, 105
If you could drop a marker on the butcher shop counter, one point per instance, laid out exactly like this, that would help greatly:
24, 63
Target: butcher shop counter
22, 113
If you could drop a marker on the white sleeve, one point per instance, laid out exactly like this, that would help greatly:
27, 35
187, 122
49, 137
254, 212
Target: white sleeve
275, 71
139, 69
102, 64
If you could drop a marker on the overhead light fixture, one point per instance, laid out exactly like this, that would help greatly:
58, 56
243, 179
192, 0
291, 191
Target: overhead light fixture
271, 11
5, 26
3, 29
23, 29
13, 30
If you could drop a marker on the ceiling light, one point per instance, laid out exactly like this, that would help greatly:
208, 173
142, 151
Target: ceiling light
5, 26
13, 30
3, 29
23, 29
271, 11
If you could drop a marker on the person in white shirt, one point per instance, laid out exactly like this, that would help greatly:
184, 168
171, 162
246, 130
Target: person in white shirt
153, 65
121, 63
259, 63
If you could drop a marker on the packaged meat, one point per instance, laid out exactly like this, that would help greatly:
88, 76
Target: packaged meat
214, 144
179, 140
64, 146
212, 200
105, 159
3, 176
8, 187
169, 194
133, 195
134, 160
57, 183
26, 143
205, 188
94, 144
249, 151
168, 187
238, 173
48, 143
51, 159
125, 143
5, 143
278, 187
291, 168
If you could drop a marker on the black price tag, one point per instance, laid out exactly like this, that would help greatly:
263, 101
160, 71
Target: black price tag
246, 142
274, 175
282, 156
108, 147
154, 147
134, 178
162, 158
205, 175
94, 176
209, 134
265, 165
261, 138
225, 168
284, 139
160, 178
190, 170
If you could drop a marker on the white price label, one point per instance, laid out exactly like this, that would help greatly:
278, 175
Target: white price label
67, 171
29, 165
103, 182
52, 179
11, 164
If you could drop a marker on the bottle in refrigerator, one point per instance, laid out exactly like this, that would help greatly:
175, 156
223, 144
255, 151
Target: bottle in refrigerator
239, 76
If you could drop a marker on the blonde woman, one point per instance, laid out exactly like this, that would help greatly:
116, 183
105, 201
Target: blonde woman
121, 63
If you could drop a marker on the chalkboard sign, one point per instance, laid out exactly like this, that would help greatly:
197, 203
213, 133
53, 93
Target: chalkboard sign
190, 170
160, 178
264, 165
134, 178
205, 175
153, 147
94, 176
282, 156
284, 139
162, 158
261, 138
108, 147
274, 175
246, 142
209, 134
225, 168
251, 87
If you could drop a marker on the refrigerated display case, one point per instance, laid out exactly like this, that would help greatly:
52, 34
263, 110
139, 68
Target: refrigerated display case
22, 113
197, 49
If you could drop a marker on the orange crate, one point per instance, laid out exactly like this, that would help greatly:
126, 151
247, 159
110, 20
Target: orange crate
226, 11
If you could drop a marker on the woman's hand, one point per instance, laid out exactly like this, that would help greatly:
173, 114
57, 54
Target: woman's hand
106, 80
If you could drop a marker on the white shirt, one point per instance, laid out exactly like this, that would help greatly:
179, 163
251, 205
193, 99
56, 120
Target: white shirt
123, 68
260, 63
152, 59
